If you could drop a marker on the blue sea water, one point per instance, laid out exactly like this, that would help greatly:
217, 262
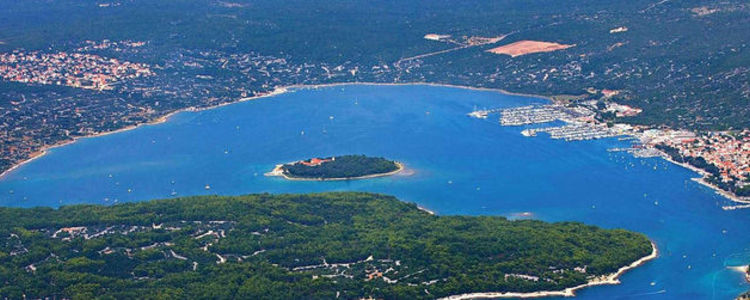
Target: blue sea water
460, 165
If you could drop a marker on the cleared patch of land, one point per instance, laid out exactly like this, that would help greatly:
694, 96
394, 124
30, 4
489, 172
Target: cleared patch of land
527, 47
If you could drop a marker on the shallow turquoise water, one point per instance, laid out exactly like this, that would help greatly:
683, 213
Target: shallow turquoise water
461, 166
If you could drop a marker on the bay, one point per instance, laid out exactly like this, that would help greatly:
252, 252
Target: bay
456, 164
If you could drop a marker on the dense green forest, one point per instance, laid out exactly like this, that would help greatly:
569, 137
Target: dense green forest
345, 166
349, 245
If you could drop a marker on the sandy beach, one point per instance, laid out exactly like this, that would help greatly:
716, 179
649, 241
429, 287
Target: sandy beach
278, 171
742, 269
425, 210
569, 292
502, 91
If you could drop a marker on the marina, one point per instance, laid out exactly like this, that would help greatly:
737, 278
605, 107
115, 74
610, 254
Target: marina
580, 121
639, 151
496, 171
575, 132
533, 114
580, 125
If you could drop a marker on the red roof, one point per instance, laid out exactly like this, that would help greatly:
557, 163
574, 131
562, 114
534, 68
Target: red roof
314, 162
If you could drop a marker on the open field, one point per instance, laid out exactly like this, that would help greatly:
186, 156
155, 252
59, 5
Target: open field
527, 47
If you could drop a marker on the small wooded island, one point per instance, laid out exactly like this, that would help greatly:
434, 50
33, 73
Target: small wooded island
308, 246
346, 167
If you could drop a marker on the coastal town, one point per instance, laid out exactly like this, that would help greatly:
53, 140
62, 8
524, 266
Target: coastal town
99, 86
721, 157
78, 70
238, 149
96, 87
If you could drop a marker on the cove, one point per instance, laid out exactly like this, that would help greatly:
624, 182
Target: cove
459, 165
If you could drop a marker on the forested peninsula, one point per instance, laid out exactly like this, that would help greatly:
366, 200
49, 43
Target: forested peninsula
304, 246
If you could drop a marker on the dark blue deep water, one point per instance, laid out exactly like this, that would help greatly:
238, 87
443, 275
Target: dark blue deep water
461, 166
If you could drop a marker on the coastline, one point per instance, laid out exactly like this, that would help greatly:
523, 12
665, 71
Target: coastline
425, 210
465, 87
610, 279
277, 171
745, 270
288, 88
701, 180
742, 269
276, 91
43, 151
